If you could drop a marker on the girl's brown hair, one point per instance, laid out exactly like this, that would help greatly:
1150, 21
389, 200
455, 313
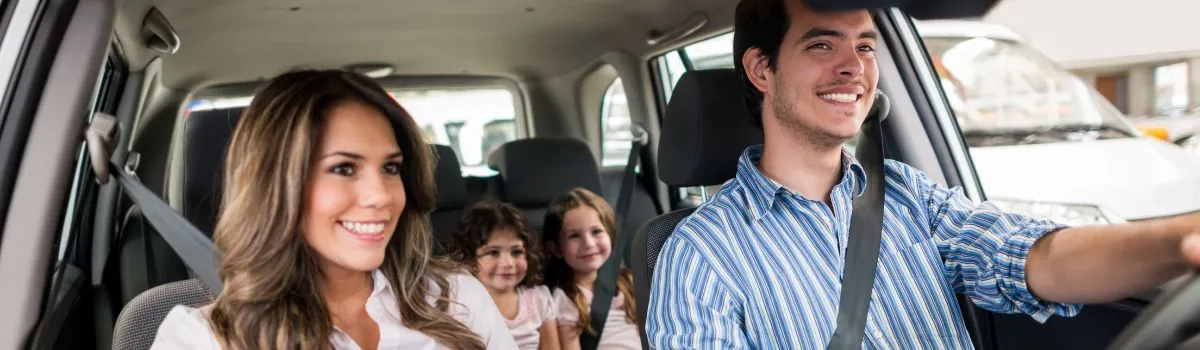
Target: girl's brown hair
559, 274
475, 229
272, 297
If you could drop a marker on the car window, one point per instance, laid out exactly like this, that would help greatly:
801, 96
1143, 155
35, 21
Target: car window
616, 138
1005, 93
472, 121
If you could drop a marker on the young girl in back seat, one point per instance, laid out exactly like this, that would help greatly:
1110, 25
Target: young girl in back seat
494, 241
579, 230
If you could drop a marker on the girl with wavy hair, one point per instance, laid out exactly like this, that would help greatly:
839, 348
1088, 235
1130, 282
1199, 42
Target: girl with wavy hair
324, 223
495, 241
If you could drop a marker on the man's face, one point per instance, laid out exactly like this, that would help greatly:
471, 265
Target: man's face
823, 83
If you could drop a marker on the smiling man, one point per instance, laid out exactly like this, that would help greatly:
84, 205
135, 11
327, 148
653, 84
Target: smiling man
759, 265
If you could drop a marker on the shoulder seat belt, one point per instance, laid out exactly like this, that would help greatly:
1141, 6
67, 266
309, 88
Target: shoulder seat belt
606, 278
194, 248
866, 230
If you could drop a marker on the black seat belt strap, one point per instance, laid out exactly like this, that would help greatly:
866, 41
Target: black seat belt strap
606, 278
194, 248
866, 230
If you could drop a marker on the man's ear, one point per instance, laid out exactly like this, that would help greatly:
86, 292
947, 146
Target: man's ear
757, 69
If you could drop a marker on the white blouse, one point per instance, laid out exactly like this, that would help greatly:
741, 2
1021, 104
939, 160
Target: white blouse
187, 328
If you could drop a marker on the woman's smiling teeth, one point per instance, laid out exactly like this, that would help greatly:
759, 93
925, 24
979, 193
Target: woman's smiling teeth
838, 97
363, 228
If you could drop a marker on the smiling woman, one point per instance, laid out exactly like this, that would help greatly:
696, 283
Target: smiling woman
326, 234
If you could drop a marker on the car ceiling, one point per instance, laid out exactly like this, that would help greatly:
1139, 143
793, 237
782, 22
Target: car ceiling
224, 41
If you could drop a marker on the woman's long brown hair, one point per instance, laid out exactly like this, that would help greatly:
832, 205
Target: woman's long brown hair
272, 297
559, 274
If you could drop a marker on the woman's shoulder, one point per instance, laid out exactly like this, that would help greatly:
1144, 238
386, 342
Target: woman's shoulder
463, 285
186, 328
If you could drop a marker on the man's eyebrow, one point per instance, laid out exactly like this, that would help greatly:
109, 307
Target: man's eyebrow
820, 32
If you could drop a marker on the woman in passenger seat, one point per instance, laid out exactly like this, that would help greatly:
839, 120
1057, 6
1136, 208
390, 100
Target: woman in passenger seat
324, 224
494, 240
579, 230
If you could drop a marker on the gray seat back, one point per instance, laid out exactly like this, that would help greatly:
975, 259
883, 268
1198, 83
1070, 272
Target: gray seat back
138, 323
703, 134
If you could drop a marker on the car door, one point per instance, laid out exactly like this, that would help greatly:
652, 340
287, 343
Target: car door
1097, 325
51, 54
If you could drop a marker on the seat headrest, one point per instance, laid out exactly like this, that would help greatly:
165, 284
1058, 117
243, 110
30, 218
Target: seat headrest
451, 188
206, 138
705, 130
538, 169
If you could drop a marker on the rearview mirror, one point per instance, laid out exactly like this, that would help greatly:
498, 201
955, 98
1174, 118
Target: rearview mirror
919, 9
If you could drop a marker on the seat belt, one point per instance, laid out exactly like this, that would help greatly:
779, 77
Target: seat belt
193, 247
866, 230
605, 287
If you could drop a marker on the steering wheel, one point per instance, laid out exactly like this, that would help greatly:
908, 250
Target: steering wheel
1172, 321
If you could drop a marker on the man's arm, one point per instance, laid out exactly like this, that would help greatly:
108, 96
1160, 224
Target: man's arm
984, 250
690, 307
1094, 264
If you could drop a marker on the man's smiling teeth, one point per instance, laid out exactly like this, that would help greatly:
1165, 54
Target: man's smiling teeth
362, 228
840, 97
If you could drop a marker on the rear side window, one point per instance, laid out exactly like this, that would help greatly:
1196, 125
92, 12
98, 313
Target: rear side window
472, 121
616, 137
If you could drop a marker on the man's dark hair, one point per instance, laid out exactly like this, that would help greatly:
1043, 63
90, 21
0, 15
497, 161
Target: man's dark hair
761, 24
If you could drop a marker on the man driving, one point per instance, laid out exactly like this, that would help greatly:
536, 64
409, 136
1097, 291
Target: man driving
760, 264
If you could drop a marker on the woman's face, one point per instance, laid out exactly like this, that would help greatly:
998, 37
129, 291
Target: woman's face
502, 263
355, 194
584, 242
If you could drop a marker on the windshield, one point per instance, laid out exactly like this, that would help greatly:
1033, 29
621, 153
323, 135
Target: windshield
1003, 88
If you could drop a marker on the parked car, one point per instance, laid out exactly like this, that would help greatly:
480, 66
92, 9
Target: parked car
1046, 143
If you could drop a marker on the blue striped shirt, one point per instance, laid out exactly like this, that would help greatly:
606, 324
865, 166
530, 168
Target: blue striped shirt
759, 266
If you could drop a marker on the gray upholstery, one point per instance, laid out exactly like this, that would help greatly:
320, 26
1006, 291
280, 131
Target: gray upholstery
138, 323
536, 170
145, 260
705, 131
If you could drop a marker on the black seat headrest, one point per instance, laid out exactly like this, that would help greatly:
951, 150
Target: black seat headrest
705, 130
451, 188
206, 138
538, 169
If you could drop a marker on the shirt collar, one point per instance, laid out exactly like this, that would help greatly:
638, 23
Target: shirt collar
380, 282
761, 191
